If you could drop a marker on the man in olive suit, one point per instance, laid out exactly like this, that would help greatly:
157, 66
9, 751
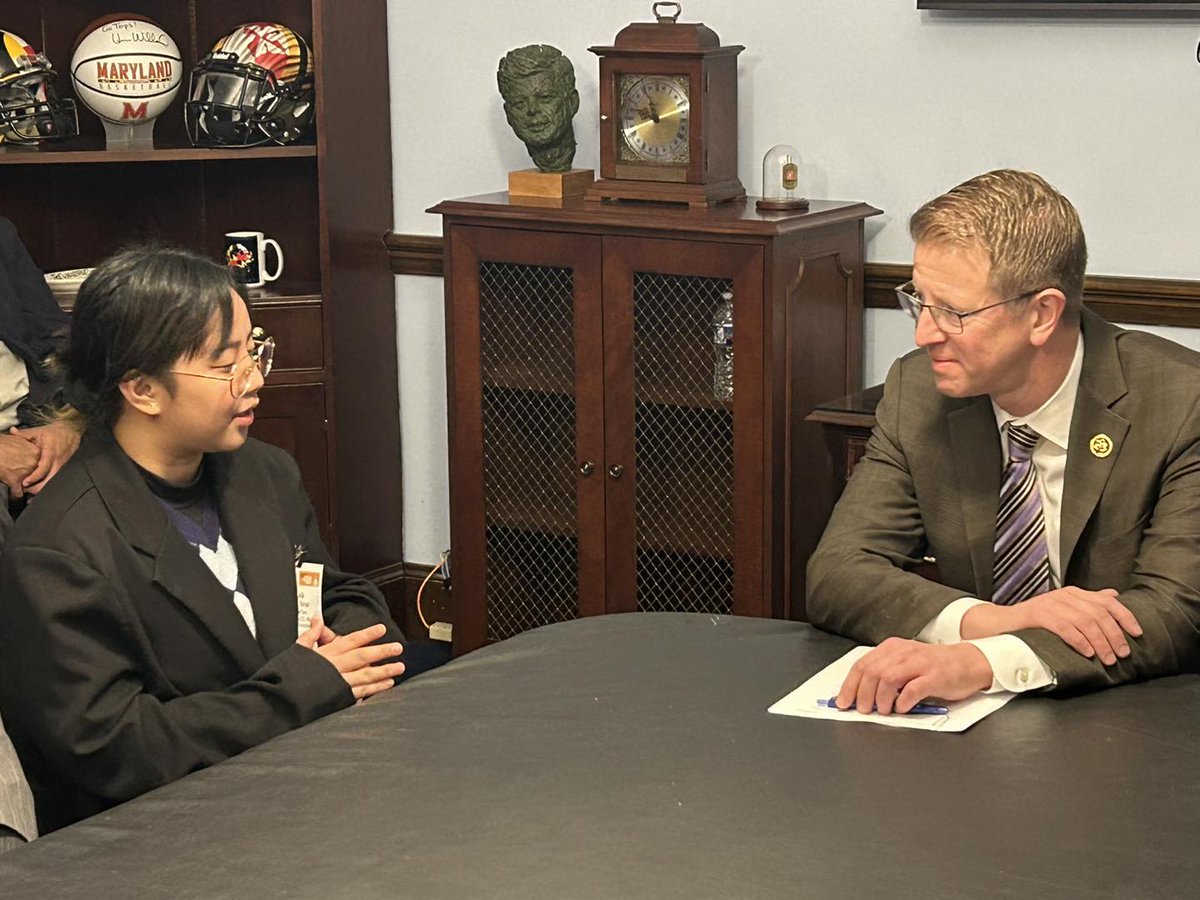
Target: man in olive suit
1049, 461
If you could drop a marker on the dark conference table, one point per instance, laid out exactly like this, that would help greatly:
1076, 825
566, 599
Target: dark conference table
631, 756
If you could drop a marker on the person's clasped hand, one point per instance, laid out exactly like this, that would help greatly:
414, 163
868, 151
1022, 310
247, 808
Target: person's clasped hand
360, 662
1093, 623
18, 458
55, 443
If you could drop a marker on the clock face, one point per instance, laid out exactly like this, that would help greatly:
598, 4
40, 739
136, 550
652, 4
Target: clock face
654, 119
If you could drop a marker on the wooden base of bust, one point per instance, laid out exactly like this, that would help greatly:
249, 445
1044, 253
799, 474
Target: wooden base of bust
536, 183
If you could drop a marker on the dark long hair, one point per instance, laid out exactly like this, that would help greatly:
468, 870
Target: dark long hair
140, 311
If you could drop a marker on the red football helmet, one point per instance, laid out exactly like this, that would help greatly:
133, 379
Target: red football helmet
30, 110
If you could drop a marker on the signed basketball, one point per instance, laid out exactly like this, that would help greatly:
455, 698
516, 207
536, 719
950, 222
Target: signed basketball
126, 69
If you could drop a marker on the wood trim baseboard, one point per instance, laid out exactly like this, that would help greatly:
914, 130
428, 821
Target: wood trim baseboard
399, 583
1132, 301
386, 575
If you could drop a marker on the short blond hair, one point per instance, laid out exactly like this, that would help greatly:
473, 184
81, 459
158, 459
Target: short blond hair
1030, 232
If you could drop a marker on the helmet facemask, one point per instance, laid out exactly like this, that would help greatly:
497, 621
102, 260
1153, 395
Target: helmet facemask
31, 111
232, 103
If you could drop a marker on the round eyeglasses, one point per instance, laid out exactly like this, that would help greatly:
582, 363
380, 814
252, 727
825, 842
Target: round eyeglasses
947, 320
241, 374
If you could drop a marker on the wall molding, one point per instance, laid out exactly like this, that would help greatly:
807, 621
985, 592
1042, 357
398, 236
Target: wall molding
1133, 301
414, 254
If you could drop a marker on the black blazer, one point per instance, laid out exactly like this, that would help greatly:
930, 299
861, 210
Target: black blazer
124, 663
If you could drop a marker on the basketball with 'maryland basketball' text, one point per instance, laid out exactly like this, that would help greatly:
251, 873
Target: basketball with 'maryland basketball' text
126, 69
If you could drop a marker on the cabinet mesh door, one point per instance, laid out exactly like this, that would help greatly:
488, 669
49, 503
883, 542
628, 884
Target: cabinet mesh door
528, 363
683, 447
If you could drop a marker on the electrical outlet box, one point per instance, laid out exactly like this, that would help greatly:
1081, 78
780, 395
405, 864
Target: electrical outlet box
441, 631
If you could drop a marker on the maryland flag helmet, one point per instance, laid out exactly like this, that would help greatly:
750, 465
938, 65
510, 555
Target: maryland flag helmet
30, 110
254, 87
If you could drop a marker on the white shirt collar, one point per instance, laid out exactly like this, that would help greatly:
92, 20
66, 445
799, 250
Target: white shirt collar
1052, 420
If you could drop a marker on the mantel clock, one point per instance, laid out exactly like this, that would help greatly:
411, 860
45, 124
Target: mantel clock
668, 114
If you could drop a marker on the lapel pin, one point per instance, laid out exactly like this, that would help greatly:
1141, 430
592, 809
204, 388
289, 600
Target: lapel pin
1101, 445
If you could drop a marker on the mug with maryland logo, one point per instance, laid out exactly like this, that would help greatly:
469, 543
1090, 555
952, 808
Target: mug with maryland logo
245, 253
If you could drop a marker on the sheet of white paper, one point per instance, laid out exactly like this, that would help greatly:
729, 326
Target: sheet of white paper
826, 683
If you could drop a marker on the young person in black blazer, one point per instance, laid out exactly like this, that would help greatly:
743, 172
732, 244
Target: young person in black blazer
148, 602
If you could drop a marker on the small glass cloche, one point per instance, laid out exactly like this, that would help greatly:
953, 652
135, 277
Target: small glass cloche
781, 179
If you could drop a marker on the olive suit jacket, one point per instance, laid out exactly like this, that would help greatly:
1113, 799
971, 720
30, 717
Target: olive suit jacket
125, 664
929, 484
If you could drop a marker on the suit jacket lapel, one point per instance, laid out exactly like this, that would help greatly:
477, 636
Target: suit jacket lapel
264, 553
181, 572
978, 463
1101, 384
177, 566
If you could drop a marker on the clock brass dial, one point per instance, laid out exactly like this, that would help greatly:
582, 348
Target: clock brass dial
654, 113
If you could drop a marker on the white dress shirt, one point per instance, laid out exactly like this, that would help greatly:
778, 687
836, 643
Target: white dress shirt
14, 386
1015, 667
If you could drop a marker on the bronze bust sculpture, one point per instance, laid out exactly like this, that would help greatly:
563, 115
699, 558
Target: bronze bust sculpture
540, 99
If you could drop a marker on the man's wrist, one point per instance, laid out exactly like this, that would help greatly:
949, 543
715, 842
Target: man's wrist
1015, 667
988, 620
980, 669
944, 628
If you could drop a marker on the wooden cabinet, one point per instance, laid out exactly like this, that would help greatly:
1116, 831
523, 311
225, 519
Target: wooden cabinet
595, 464
327, 200
846, 423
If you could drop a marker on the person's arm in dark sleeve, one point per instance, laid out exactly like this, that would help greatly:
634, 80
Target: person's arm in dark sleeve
349, 602
70, 686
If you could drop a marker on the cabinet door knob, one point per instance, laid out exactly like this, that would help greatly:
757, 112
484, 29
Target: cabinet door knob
616, 471
587, 468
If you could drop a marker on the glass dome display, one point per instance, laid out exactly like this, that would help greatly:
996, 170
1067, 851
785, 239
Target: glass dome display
781, 180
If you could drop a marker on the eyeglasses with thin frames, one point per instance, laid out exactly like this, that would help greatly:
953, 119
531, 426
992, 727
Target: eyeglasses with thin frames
948, 320
260, 357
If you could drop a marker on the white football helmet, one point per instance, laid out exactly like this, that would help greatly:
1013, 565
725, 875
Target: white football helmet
254, 87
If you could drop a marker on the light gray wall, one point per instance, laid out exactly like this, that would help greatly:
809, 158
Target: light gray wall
886, 104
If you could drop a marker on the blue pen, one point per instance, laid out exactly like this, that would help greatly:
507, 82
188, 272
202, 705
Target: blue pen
921, 709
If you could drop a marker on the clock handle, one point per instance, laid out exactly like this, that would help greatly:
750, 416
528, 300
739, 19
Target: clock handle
673, 19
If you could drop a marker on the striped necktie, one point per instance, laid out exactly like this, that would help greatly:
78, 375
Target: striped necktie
1022, 566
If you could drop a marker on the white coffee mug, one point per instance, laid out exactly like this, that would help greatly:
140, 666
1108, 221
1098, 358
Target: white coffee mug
245, 254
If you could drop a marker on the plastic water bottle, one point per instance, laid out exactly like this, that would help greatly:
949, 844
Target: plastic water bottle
722, 338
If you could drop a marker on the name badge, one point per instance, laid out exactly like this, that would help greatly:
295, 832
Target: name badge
308, 594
